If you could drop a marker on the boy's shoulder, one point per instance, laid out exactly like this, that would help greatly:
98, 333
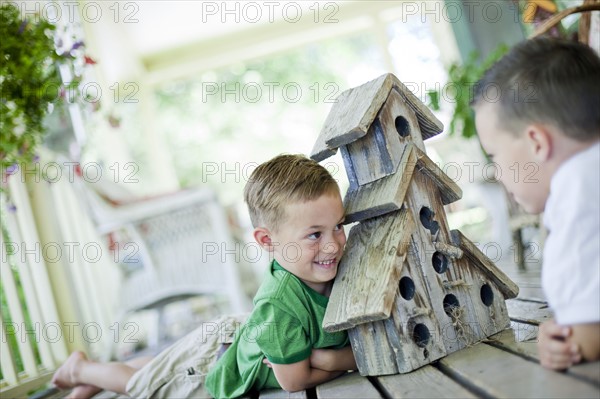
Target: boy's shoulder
281, 289
584, 164
278, 285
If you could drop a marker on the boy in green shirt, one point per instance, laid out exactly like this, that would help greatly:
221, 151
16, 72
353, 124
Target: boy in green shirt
297, 214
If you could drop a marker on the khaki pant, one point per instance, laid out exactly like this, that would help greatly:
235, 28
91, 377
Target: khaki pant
179, 370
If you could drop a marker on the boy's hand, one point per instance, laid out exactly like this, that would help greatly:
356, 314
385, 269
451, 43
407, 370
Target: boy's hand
555, 349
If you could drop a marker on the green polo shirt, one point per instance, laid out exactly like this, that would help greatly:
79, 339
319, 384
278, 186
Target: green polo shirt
284, 327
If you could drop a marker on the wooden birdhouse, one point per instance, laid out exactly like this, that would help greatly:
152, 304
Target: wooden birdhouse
408, 290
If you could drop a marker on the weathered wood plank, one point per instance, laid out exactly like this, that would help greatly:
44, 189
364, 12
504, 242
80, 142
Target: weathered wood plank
521, 339
588, 371
348, 386
368, 274
442, 278
381, 196
370, 156
426, 382
448, 189
356, 108
379, 153
374, 355
528, 311
413, 307
493, 372
478, 259
530, 292
281, 394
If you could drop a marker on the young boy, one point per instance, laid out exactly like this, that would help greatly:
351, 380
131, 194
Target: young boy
297, 214
537, 112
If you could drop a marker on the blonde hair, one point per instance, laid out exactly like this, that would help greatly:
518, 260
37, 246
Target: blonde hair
283, 180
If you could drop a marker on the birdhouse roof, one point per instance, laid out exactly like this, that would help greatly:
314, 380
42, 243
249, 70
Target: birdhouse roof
387, 194
477, 258
355, 110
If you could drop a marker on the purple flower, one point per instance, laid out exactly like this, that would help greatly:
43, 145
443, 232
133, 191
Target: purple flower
76, 45
12, 169
23, 26
12, 208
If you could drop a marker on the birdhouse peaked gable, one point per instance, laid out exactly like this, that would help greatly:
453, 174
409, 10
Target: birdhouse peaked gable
387, 194
477, 258
355, 110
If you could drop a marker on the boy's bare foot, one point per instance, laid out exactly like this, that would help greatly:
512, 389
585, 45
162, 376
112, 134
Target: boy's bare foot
83, 392
66, 375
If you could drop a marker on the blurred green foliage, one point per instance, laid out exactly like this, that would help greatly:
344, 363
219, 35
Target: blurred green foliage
462, 78
29, 81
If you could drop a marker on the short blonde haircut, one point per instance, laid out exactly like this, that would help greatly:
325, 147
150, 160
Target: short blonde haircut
283, 180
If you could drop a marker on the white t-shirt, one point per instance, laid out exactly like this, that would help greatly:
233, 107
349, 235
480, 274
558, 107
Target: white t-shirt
571, 270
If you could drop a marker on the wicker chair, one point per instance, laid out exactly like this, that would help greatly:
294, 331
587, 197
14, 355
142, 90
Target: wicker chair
171, 248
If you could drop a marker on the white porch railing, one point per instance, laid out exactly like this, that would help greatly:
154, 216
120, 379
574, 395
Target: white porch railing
31, 338
54, 300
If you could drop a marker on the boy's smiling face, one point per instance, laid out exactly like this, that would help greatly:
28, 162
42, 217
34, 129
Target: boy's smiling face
520, 169
310, 240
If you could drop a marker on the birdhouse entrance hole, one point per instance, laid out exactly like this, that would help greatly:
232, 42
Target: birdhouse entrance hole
450, 304
402, 126
421, 335
426, 216
439, 262
407, 288
487, 295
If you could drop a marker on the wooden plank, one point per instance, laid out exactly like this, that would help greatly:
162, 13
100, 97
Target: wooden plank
381, 196
367, 279
478, 259
588, 371
350, 116
492, 372
281, 394
430, 125
400, 125
449, 190
426, 382
521, 339
388, 193
529, 292
373, 352
432, 227
370, 156
348, 386
413, 307
356, 108
379, 153
528, 311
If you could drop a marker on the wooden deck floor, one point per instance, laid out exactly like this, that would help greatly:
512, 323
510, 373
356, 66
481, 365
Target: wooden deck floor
506, 365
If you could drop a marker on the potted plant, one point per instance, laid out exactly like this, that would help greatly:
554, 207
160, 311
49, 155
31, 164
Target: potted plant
30, 82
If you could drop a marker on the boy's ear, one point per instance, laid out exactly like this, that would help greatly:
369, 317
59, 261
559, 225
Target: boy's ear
263, 237
540, 142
